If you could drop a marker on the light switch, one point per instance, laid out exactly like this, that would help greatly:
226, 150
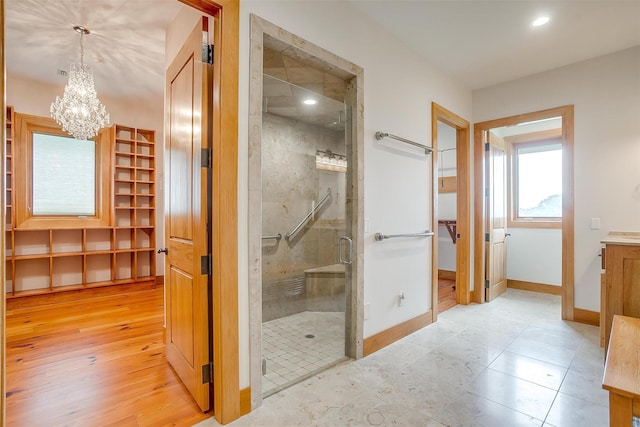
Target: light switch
595, 223
367, 309
366, 225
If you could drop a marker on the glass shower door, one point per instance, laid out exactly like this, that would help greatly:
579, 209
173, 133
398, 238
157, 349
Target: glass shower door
304, 201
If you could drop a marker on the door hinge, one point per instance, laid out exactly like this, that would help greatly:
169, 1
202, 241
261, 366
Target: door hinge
486, 284
486, 146
205, 264
205, 157
487, 237
207, 373
207, 53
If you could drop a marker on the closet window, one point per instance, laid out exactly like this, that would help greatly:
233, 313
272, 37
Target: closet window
64, 176
61, 182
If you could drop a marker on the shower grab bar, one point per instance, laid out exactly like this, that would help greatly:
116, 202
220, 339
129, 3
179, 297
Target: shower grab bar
275, 236
314, 209
382, 135
380, 237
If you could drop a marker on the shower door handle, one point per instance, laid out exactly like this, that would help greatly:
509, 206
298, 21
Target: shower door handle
341, 257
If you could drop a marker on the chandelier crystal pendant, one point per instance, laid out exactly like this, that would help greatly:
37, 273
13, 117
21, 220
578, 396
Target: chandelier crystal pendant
79, 111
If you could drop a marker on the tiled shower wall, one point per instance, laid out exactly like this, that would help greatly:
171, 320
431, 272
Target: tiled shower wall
290, 185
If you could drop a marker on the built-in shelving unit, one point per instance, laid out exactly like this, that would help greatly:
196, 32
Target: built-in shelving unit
54, 260
9, 201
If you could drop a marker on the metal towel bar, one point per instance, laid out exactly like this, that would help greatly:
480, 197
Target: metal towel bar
380, 237
297, 228
382, 135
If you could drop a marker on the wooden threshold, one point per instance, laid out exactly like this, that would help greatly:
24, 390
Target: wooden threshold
393, 334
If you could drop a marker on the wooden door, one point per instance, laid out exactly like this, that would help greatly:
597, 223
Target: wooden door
187, 276
496, 227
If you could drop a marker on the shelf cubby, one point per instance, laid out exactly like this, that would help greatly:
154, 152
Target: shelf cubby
97, 240
98, 268
124, 265
67, 271
32, 274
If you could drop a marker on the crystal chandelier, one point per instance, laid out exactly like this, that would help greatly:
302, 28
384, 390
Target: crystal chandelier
79, 111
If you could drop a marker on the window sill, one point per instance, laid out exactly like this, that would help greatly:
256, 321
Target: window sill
534, 224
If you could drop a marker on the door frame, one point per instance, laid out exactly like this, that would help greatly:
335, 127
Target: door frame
224, 226
264, 32
3, 190
463, 204
568, 254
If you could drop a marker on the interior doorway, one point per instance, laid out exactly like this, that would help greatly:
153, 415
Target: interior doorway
224, 224
451, 208
524, 136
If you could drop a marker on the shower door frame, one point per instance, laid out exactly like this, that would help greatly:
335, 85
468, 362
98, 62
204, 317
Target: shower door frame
264, 33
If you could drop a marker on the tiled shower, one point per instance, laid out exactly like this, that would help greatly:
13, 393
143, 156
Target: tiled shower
303, 219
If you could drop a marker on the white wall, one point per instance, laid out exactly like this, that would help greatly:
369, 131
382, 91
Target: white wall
606, 95
399, 89
32, 97
447, 208
535, 255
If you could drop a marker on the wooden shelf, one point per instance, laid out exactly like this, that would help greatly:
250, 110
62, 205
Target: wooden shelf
45, 261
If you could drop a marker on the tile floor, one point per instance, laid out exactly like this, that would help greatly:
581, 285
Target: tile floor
511, 362
290, 354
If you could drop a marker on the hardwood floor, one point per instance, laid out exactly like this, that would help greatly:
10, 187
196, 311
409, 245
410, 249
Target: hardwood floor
446, 294
98, 361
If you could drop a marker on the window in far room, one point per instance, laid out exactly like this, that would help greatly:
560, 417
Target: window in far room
536, 183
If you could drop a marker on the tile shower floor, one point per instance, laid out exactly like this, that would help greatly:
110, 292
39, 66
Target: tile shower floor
299, 345
511, 362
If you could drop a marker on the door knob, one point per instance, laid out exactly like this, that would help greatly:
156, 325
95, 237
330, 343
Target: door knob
165, 250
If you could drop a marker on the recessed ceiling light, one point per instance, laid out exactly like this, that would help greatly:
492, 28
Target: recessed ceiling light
541, 20
310, 101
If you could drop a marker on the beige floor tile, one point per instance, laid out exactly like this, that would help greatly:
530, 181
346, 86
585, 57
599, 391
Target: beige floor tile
549, 353
569, 411
519, 395
533, 370
474, 411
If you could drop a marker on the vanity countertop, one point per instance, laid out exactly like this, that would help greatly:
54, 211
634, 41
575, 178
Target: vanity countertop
622, 238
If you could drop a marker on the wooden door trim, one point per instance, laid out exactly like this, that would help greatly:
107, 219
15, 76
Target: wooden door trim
568, 254
226, 385
463, 202
3, 334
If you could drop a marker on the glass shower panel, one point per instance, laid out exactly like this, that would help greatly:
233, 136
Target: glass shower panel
304, 216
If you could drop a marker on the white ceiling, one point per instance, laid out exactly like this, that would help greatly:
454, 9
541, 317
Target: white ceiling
125, 48
482, 42
486, 42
